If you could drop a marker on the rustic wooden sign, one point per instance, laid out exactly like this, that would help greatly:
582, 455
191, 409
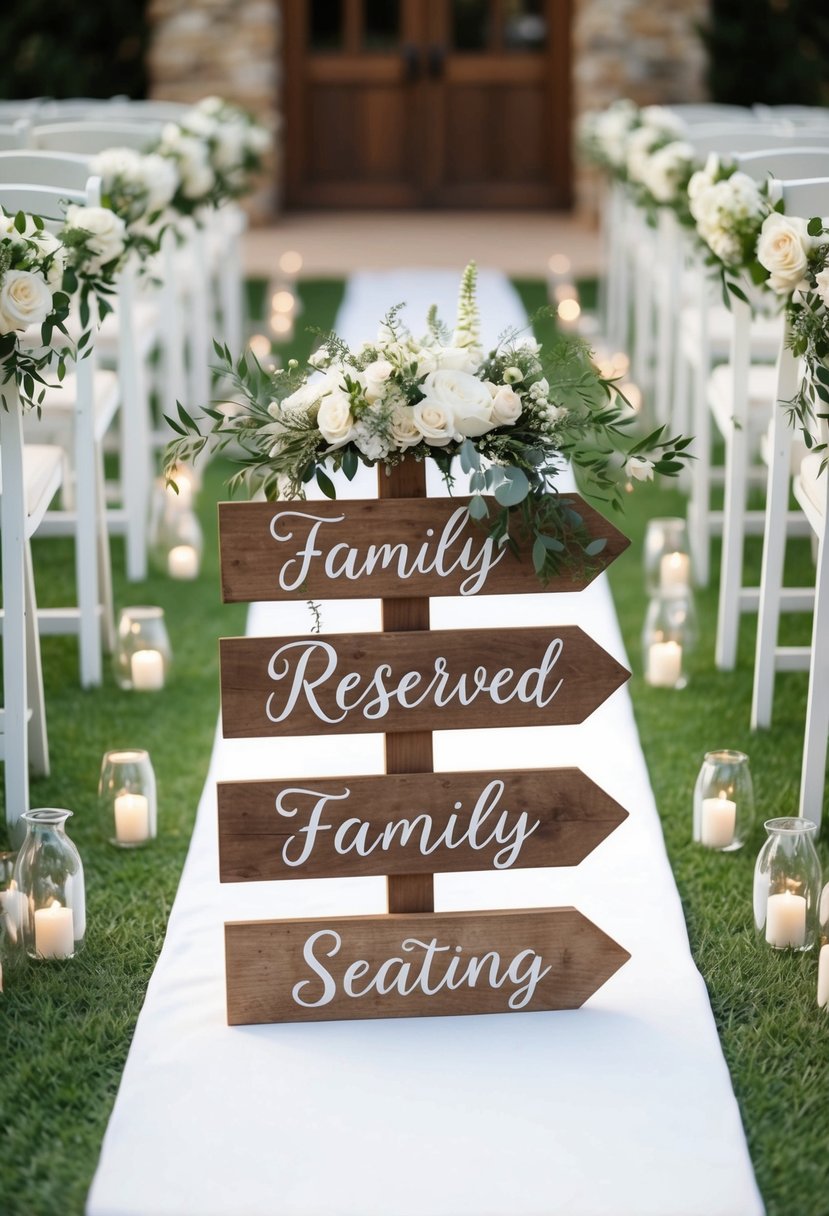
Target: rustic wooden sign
415, 965
410, 823
436, 680
385, 548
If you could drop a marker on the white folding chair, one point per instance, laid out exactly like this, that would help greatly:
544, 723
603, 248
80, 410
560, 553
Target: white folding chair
127, 340
741, 397
88, 407
30, 477
805, 198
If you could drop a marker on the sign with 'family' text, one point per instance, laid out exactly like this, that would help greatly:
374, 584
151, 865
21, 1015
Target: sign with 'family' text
387, 548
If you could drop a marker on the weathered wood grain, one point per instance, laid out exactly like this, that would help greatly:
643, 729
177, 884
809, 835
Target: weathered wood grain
402, 965
260, 543
357, 683
338, 827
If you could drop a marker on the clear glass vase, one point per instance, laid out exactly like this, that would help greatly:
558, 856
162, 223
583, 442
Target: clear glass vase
127, 794
723, 801
48, 874
176, 540
668, 638
666, 555
823, 954
787, 885
142, 653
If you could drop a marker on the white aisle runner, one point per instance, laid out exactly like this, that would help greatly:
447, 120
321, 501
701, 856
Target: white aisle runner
622, 1108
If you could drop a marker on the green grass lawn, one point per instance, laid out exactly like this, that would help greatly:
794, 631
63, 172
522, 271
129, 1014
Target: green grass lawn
65, 1028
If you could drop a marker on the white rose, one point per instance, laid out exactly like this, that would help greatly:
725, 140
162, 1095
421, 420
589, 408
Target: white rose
108, 232
665, 168
639, 469
434, 423
822, 285
25, 299
375, 377
506, 407
335, 420
457, 358
191, 154
159, 177
463, 397
304, 400
402, 429
231, 145
783, 248
664, 120
50, 245
115, 162
258, 140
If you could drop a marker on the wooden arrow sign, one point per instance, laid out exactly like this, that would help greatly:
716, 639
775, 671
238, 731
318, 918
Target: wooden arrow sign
415, 965
422, 680
388, 548
410, 823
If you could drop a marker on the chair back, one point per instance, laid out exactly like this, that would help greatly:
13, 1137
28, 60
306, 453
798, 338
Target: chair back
88, 137
37, 168
806, 197
731, 140
785, 163
711, 112
802, 115
13, 134
49, 202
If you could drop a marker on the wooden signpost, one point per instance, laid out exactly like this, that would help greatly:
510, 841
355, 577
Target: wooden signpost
410, 823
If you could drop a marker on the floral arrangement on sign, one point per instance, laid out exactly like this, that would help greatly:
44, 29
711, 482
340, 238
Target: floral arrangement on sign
513, 415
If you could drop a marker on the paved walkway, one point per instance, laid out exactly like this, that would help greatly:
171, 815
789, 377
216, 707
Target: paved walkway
338, 243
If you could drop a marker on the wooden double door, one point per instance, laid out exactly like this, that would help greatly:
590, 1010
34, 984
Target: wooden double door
427, 103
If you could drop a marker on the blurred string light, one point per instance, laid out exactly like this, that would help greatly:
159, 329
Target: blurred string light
290, 263
559, 265
283, 301
260, 345
282, 326
568, 313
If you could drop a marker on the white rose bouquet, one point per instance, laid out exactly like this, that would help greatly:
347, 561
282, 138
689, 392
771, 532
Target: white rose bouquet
139, 188
729, 209
216, 148
796, 254
32, 269
511, 415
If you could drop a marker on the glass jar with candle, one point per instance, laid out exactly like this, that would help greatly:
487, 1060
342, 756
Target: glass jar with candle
723, 801
666, 556
823, 950
142, 653
668, 638
175, 533
787, 885
48, 875
126, 790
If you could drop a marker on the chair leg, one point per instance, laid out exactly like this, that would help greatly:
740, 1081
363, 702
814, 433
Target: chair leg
12, 508
37, 737
230, 287
135, 436
86, 529
817, 709
199, 323
173, 386
699, 505
104, 559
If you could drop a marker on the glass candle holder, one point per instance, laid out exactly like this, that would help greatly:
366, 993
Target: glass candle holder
667, 556
723, 801
668, 638
49, 878
127, 794
787, 885
142, 653
175, 533
823, 950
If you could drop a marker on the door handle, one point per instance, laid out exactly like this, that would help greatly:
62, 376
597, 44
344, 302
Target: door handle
411, 63
435, 61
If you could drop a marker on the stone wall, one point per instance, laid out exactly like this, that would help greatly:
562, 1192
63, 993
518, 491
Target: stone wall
644, 49
224, 47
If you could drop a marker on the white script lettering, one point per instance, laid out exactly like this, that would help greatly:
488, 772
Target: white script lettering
299, 662
524, 972
432, 556
354, 835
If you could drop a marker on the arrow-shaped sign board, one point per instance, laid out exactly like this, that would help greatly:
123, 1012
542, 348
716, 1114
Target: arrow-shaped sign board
415, 965
410, 823
390, 548
423, 680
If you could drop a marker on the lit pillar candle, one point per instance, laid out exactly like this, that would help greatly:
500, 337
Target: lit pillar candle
719, 818
664, 664
183, 562
54, 931
823, 978
786, 920
132, 818
674, 571
147, 670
